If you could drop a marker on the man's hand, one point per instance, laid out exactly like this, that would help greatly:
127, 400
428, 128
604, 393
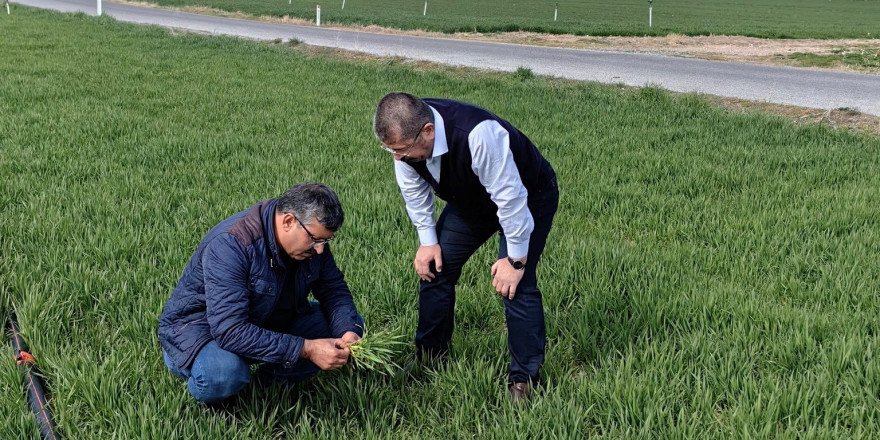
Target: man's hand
505, 278
424, 257
348, 339
327, 354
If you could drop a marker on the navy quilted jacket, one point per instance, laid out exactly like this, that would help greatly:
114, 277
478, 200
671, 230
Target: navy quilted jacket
231, 285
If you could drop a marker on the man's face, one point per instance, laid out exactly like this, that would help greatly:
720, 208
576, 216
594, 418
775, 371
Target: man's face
416, 149
298, 239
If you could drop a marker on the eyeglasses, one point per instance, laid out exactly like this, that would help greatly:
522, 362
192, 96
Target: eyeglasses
403, 152
315, 241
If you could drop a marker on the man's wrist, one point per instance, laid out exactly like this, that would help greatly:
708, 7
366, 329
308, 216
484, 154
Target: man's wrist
306, 351
517, 263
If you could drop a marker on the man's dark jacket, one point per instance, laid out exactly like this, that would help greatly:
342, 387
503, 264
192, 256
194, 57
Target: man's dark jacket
231, 286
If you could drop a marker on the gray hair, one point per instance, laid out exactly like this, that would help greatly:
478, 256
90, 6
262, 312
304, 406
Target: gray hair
402, 114
311, 200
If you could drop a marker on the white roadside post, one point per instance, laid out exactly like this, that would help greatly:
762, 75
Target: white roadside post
343, 4
650, 13
7, 7
556, 11
318, 16
99, 8
425, 11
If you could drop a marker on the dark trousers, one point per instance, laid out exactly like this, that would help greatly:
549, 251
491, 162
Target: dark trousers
460, 234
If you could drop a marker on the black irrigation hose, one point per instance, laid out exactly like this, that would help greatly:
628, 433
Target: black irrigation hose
36, 394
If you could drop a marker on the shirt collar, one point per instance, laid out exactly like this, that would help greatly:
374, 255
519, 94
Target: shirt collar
440, 145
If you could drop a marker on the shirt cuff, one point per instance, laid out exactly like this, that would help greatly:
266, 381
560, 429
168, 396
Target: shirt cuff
517, 251
428, 237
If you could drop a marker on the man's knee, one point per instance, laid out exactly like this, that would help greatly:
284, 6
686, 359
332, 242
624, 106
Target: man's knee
526, 305
214, 384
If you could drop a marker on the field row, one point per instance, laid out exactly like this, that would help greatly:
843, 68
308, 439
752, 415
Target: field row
758, 18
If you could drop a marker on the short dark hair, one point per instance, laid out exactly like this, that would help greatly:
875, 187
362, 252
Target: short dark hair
312, 200
401, 114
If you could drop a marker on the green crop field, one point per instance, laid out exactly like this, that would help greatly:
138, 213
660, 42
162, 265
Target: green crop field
758, 18
710, 275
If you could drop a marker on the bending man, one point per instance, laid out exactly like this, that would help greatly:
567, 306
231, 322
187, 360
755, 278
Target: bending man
493, 179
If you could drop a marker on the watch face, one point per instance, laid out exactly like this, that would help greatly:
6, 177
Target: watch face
518, 265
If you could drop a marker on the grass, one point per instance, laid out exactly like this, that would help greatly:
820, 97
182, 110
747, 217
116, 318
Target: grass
865, 57
710, 275
18, 422
756, 18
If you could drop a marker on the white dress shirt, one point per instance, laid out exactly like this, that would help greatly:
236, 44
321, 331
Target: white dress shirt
492, 162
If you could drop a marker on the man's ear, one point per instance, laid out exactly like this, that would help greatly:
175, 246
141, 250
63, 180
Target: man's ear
429, 129
287, 221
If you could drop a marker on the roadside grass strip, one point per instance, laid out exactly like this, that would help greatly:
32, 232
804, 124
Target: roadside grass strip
710, 275
868, 57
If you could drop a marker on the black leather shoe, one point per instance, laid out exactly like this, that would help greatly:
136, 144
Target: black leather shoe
519, 391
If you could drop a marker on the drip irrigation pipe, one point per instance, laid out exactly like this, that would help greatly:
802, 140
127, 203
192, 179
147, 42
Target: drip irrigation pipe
36, 389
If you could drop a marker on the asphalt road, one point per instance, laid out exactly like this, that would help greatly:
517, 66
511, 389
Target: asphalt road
781, 85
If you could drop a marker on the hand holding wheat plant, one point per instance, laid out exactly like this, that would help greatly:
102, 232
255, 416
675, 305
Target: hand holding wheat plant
375, 352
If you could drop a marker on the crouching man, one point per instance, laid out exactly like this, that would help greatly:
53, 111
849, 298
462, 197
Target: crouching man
243, 298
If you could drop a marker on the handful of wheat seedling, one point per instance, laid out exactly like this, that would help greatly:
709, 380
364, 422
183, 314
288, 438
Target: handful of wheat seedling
375, 352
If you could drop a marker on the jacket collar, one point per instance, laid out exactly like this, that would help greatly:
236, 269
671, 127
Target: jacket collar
267, 214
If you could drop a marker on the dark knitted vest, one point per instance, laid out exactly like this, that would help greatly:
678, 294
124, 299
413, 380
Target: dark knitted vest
459, 185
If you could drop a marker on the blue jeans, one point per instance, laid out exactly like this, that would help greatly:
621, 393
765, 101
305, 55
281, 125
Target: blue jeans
460, 234
216, 374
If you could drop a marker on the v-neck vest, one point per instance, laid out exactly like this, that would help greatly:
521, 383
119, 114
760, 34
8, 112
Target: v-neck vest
459, 184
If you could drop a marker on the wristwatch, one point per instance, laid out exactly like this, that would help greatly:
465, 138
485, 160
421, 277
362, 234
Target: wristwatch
518, 265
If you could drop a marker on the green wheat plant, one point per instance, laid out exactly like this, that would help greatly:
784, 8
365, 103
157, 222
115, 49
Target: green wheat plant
376, 352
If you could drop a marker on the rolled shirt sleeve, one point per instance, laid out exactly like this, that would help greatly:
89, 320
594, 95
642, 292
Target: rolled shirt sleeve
493, 163
419, 202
